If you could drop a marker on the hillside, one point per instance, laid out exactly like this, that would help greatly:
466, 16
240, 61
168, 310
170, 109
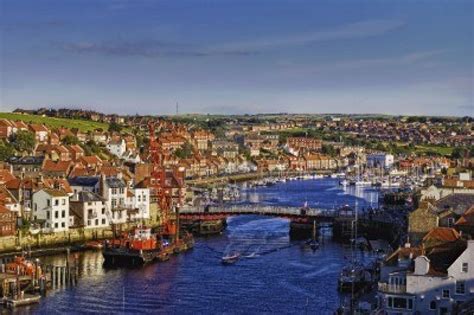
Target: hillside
53, 122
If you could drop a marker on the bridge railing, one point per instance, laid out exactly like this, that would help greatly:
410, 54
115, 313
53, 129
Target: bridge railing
258, 209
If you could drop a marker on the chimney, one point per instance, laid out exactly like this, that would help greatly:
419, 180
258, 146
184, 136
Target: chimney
422, 265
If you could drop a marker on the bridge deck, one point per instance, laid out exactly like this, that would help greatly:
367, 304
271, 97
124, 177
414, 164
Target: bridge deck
258, 209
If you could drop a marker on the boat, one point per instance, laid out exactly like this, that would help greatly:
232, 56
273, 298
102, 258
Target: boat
136, 248
312, 243
93, 245
344, 183
230, 259
352, 277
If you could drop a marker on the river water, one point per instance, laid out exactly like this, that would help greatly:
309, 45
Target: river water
277, 276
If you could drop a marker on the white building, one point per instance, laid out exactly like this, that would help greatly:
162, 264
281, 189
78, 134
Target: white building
52, 207
138, 203
427, 290
117, 147
114, 191
90, 211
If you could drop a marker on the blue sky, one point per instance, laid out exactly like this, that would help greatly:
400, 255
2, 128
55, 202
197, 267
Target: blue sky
234, 57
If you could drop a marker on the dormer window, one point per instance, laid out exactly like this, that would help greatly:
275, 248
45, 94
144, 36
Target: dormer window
465, 267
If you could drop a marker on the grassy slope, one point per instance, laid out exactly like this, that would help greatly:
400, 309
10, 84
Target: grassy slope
83, 125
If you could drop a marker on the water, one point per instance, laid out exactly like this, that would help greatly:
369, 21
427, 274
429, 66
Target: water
276, 276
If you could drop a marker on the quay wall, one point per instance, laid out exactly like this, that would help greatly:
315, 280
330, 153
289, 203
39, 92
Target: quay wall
26, 241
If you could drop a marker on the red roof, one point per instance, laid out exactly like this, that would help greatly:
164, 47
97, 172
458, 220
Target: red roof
60, 166
5, 176
442, 234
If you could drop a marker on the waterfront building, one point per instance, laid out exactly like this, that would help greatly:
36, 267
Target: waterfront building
139, 200
114, 191
89, 210
51, 209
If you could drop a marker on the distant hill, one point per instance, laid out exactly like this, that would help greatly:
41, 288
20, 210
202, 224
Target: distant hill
53, 122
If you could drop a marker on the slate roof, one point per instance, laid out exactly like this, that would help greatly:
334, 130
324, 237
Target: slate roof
87, 196
113, 182
458, 202
87, 181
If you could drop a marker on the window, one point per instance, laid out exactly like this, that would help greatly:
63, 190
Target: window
114, 191
399, 303
460, 287
56, 202
56, 214
144, 197
432, 305
103, 221
103, 210
390, 301
64, 201
139, 198
446, 294
450, 222
48, 215
96, 221
56, 225
48, 202
465, 267
63, 214
36, 207
63, 224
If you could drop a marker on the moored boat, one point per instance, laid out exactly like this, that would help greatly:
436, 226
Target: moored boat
136, 248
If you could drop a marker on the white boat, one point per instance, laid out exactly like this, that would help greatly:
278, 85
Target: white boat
230, 259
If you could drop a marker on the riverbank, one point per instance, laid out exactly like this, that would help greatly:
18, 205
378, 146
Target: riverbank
239, 178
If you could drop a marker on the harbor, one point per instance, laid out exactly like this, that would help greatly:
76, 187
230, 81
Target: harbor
272, 271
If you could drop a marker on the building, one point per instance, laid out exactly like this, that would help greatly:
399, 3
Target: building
85, 183
117, 147
380, 160
114, 191
51, 209
89, 210
297, 145
7, 222
427, 280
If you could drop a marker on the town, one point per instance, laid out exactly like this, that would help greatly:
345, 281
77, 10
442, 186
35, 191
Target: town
70, 179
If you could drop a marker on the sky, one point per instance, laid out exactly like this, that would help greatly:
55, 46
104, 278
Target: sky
239, 57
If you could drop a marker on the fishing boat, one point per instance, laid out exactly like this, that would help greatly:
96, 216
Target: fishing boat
230, 259
136, 248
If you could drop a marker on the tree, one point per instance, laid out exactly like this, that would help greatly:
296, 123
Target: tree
6, 151
70, 139
328, 149
114, 127
23, 141
185, 151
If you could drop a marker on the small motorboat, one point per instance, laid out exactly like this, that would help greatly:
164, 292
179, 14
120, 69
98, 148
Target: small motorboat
96, 245
230, 259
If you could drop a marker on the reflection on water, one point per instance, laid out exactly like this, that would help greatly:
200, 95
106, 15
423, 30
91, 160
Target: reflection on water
278, 277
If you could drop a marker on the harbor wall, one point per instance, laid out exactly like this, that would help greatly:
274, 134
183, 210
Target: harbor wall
26, 241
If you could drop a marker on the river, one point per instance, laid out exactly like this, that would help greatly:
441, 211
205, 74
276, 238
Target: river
276, 277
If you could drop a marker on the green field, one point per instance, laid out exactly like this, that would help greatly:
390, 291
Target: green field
52, 122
